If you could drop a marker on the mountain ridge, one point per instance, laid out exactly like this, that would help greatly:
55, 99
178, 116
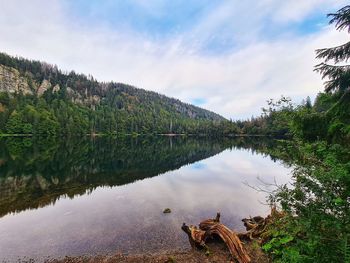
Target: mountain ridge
34, 92
51, 73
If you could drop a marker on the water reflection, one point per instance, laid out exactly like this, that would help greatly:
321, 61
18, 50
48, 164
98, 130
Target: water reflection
107, 213
34, 174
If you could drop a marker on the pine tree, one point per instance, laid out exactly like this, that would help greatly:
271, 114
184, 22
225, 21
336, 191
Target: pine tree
308, 103
338, 75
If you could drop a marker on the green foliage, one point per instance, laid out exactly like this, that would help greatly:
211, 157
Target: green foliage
280, 249
317, 223
308, 104
347, 249
323, 102
275, 120
327, 120
17, 125
4, 98
309, 125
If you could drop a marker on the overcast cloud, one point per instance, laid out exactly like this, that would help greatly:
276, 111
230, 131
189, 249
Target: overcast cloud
225, 56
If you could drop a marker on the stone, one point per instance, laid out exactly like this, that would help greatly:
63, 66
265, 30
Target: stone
167, 211
45, 85
12, 82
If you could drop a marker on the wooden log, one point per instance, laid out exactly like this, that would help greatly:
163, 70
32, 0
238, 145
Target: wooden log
206, 224
195, 235
257, 226
231, 240
209, 228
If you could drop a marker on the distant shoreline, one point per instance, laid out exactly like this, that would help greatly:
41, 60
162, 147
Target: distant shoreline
138, 134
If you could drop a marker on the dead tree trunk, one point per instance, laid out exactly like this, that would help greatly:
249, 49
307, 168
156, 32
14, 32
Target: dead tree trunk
256, 226
209, 228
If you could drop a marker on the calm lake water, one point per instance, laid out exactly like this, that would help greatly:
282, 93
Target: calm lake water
103, 195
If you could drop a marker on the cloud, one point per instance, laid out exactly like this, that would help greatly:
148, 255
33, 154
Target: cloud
188, 64
298, 9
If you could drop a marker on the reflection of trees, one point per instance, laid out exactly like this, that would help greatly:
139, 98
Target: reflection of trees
36, 172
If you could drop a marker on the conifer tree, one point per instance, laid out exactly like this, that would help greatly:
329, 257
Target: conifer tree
338, 72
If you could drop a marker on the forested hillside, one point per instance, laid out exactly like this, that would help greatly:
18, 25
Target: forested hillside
38, 98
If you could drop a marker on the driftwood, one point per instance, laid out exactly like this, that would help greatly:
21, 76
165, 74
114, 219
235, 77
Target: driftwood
211, 227
256, 226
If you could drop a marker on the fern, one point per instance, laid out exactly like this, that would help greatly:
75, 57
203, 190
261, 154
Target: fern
347, 250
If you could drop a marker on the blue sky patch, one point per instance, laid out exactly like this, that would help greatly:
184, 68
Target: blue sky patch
198, 166
159, 20
198, 101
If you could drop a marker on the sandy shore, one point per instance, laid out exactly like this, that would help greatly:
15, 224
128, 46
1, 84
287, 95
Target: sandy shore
218, 253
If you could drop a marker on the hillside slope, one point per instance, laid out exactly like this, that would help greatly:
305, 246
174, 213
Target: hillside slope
37, 97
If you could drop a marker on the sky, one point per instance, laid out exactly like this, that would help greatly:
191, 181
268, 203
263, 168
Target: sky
225, 56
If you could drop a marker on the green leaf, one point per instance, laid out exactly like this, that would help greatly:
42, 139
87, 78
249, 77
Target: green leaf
286, 240
267, 246
338, 201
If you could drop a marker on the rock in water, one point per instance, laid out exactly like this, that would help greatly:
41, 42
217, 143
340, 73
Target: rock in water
167, 211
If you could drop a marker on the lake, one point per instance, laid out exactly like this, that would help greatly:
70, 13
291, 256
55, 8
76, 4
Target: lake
107, 195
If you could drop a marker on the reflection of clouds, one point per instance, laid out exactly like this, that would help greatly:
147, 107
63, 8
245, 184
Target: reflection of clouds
104, 220
198, 165
67, 213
